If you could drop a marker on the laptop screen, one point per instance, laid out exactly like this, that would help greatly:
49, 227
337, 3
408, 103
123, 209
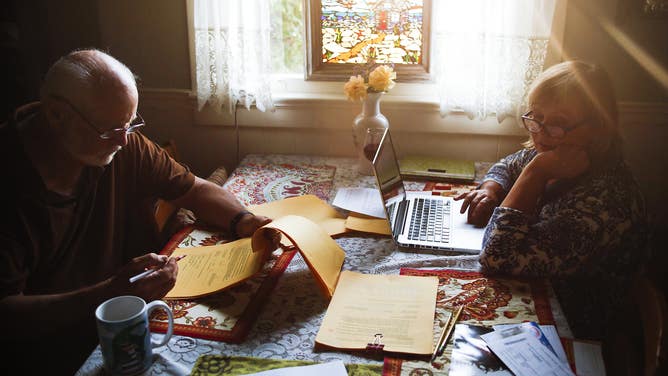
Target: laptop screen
386, 168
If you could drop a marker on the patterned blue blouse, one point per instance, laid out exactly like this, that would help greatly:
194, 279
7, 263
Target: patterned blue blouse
587, 236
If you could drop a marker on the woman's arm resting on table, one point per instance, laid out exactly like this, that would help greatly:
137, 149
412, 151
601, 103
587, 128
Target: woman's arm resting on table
556, 245
564, 243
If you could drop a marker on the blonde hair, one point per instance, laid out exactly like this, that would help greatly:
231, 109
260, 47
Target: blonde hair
590, 87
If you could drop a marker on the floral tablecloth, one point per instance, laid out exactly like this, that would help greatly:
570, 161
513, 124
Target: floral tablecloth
289, 321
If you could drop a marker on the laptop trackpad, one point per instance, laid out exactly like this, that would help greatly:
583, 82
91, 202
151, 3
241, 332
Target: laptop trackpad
466, 236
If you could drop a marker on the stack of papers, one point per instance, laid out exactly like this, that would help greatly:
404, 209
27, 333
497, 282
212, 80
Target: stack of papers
520, 349
365, 201
525, 350
366, 210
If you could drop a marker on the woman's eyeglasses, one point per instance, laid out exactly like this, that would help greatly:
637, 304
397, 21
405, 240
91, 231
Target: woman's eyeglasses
535, 126
134, 126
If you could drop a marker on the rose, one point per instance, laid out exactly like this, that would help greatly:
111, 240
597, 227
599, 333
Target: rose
355, 88
381, 79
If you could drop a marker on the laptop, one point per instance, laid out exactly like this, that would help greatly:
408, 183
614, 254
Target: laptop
419, 220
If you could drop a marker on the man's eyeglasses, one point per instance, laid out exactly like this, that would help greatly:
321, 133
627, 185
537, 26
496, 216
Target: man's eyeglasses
535, 126
134, 126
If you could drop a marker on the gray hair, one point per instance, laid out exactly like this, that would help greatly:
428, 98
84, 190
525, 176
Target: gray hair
78, 75
589, 85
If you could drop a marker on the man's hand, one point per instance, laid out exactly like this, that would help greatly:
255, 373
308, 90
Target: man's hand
154, 286
249, 223
481, 203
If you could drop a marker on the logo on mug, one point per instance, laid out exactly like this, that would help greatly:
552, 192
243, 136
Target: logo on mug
125, 338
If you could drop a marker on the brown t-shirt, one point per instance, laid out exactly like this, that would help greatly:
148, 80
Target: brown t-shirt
50, 243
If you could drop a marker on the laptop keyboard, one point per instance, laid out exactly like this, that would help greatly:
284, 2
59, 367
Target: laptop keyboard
430, 221
392, 209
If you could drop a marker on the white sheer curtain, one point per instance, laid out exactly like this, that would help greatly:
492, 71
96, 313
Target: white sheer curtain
233, 53
487, 52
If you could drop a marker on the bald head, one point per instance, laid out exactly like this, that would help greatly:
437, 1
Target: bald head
86, 76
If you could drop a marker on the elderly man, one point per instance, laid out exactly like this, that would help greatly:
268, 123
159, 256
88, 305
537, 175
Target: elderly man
71, 236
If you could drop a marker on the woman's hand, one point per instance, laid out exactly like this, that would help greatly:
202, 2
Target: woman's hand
152, 287
564, 162
570, 158
481, 203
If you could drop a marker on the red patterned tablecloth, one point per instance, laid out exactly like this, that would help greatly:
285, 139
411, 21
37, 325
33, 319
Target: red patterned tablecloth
262, 181
487, 301
228, 316
287, 306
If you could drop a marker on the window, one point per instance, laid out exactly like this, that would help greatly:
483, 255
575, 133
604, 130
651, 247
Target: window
483, 55
344, 33
287, 31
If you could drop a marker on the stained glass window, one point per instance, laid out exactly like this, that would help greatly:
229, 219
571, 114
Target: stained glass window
387, 31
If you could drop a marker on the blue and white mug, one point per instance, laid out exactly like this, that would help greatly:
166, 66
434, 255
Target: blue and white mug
125, 337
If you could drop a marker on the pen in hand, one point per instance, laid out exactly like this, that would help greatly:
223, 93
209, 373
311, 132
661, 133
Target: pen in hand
149, 271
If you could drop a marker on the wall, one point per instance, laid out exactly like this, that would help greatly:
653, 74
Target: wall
592, 34
150, 36
42, 31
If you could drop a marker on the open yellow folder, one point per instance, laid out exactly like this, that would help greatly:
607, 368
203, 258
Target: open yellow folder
308, 206
364, 223
210, 269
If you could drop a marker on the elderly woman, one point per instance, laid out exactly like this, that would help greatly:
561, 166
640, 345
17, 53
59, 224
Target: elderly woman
566, 207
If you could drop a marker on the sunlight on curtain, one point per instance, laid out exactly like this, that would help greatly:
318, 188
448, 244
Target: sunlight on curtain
232, 53
487, 53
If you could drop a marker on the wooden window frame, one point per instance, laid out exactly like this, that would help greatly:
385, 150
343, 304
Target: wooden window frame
317, 70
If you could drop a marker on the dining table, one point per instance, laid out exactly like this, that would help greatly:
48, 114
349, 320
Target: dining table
276, 315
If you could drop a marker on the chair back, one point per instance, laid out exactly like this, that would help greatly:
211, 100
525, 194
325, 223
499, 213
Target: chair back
638, 344
653, 312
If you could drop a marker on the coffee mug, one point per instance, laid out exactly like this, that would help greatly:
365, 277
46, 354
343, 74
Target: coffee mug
125, 338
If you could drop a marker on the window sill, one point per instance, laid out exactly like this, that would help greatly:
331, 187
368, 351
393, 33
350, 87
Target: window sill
294, 88
339, 99
406, 110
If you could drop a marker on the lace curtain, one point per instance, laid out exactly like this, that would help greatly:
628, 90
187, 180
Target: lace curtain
233, 53
487, 52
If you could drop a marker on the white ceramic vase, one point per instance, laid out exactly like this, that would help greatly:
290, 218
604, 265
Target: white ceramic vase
369, 118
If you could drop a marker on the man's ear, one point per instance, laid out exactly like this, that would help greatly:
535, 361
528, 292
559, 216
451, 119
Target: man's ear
55, 111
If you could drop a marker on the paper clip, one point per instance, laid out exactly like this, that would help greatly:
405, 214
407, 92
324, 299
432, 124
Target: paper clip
375, 344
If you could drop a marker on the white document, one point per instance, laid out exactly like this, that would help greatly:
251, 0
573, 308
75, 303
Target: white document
588, 358
335, 368
550, 332
360, 200
524, 354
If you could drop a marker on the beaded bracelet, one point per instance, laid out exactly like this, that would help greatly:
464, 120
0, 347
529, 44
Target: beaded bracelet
235, 221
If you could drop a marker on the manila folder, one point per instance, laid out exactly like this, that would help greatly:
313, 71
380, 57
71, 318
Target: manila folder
400, 308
